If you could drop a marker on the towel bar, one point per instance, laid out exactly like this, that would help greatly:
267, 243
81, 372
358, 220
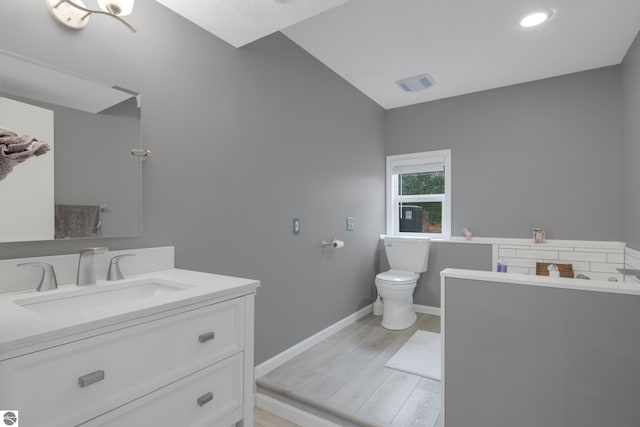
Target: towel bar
145, 154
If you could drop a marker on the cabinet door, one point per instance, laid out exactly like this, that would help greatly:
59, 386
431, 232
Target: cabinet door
209, 397
65, 385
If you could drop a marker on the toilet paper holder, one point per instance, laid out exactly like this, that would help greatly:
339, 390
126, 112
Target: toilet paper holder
335, 243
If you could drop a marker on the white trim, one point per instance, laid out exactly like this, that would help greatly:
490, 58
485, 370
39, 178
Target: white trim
291, 413
542, 281
424, 158
426, 309
442, 347
281, 358
600, 244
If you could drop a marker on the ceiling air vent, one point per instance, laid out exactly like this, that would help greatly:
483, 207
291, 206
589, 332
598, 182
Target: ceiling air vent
416, 83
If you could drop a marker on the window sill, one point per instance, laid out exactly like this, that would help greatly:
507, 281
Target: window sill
524, 242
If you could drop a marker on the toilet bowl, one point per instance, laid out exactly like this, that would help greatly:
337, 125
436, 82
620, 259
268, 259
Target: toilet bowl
395, 288
408, 257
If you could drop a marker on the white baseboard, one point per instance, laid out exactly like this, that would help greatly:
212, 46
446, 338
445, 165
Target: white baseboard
426, 309
291, 413
281, 358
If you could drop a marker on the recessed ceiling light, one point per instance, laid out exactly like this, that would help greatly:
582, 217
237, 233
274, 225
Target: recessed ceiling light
536, 17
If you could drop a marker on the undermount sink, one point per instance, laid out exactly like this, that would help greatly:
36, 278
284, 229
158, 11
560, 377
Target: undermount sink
86, 298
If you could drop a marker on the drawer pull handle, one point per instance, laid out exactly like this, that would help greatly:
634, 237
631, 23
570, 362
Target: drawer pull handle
205, 398
93, 377
207, 337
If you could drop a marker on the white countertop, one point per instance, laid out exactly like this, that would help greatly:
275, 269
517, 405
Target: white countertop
21, 328
630, 288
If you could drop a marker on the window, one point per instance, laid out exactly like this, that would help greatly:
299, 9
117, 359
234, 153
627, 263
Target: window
419, 194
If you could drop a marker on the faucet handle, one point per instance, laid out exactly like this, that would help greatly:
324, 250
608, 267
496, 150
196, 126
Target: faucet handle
114, 272
48, 280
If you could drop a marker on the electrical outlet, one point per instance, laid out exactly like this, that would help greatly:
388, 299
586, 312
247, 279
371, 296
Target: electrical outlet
351, 223
296, 225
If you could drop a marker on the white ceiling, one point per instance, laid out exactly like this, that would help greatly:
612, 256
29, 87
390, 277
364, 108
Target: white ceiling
465, 45
239, 22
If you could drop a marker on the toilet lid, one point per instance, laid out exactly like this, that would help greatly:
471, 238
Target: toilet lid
397, 276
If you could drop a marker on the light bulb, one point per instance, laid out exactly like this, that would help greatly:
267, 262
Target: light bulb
117, 7
536, 18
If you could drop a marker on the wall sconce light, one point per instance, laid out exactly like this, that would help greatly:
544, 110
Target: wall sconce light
74, 14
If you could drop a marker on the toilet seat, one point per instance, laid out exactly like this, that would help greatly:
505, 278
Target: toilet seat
397, 278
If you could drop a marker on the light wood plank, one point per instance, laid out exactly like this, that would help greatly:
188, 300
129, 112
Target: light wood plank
297, 362
346, 372
430, 385
321, 388
371, 376
385, 403
421, 409
263, 418
349, 364
320, 363
368, 320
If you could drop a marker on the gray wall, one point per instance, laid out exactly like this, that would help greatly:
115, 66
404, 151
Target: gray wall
529, 356
631, 146
243, 140
541, 154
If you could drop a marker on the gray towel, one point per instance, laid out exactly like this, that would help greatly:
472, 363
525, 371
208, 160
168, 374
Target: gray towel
16, 149
77, 221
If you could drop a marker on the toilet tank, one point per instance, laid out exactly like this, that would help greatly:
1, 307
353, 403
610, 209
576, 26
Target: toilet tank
407, 254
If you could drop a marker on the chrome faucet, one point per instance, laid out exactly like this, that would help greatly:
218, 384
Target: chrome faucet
48, 280
86, 269
114, 272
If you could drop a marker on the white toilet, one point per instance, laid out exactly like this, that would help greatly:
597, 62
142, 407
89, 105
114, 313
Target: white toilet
408, 257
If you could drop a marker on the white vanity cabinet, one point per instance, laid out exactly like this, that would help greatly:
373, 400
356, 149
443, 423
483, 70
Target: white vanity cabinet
188, 366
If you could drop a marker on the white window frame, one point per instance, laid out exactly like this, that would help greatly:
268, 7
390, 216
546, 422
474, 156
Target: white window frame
418, 162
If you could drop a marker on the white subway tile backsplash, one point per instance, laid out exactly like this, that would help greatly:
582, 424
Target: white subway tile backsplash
606, 267
513, 246
532, 254
520, 262
632, 252
507, 252
615, 257
632, 262
550, 248
597, 260
580, 265
632, 258
604, 250
583, 256
520, 270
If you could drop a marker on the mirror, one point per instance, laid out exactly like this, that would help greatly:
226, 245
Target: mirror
88, 184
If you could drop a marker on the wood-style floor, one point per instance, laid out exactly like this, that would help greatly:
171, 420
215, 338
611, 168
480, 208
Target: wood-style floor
267, 419
345, 375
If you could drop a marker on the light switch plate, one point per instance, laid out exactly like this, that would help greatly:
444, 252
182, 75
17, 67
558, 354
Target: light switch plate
296, 225
351, 223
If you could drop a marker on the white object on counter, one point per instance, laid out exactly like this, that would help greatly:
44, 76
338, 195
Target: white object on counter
553, 270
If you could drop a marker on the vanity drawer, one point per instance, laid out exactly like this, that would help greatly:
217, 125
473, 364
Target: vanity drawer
210, 397
93, 375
